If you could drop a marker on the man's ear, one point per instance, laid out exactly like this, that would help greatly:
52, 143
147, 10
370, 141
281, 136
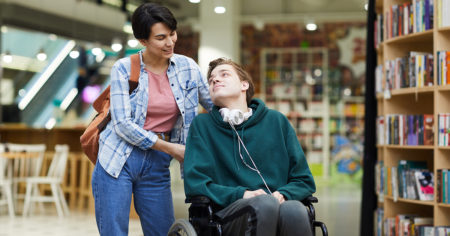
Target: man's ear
244, 85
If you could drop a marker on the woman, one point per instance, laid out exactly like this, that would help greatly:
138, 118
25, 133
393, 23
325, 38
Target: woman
148, 127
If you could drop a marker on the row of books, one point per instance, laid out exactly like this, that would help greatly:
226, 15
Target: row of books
378, 30
443, 185
444, 129
407, 18
405, 129
408, 180
407, 224
443, 7
416, 70
443, 66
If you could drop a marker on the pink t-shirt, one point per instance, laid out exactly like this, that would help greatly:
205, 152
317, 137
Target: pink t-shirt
162, 110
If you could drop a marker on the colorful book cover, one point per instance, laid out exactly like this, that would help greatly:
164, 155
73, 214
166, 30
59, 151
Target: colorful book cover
425, 185
428, 133
447, 65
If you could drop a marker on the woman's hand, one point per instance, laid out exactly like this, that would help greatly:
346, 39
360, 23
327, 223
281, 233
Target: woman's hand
278, 196
250, 194
178, 152
173, 149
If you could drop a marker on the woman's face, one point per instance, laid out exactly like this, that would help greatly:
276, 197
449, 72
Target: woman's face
161, 42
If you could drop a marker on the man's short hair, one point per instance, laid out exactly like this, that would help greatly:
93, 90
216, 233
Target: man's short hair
243, 75
148, 14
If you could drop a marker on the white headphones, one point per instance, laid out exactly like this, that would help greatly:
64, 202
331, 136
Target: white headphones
235, 116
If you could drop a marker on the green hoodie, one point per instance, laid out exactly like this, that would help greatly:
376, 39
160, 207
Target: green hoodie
213, 167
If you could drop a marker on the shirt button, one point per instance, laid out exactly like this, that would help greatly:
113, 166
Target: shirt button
171, 84
177, 98
182, 112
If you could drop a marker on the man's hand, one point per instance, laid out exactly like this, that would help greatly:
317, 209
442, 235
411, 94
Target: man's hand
278, 196
250, 194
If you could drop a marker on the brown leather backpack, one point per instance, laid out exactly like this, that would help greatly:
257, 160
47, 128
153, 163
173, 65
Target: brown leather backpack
90, 138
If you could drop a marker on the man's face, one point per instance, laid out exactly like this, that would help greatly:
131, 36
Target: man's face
225, 85
161, 42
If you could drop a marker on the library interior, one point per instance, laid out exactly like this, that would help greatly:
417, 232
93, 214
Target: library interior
364, 84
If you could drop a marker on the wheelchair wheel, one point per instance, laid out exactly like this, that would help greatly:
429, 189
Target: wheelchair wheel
182, 227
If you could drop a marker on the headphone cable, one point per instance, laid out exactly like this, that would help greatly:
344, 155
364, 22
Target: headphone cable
255, 168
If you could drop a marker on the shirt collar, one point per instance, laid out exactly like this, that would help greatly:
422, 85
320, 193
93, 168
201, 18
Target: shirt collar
171, 59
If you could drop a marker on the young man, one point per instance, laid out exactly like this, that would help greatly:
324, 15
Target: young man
247, 159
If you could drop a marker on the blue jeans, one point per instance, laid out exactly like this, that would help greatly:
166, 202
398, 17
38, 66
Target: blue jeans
145, 175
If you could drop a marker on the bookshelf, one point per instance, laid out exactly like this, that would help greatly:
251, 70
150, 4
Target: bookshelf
292, 82
433, 99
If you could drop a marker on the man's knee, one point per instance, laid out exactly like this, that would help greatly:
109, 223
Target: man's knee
294, 210
265, 205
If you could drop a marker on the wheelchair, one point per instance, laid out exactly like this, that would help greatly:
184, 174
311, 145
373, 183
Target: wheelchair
203, 221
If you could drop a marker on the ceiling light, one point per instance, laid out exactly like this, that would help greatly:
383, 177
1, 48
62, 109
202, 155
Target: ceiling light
74, 54
52, 37
311, 26
220, 9
116, 45
132, 42
41, 56
366, 6
7, 58
99, 58
194, 1
96, 50
4, 29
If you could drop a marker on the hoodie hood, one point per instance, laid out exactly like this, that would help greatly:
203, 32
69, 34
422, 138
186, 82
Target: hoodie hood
259, 111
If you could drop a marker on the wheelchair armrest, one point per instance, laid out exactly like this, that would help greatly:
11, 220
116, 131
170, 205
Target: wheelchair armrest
309, 200
198, 200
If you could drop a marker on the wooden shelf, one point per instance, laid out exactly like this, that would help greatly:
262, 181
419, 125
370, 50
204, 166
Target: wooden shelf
380, 96
422, 147
444, 205
380, 48
419, 202
426, 36
444, 87
425, 100
444, 29
379, 6
409, 91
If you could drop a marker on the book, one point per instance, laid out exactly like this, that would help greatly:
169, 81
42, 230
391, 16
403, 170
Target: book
406, 185
425, 185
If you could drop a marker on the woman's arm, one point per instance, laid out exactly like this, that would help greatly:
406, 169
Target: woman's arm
173, 149
121, 110
203, 90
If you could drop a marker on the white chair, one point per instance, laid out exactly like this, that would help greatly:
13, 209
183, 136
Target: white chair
54, 179
25, 160
5, 185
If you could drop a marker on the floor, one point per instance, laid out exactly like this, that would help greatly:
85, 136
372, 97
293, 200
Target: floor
334, 201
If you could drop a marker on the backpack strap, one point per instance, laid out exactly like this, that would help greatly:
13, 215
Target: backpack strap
135, 67
135, 70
